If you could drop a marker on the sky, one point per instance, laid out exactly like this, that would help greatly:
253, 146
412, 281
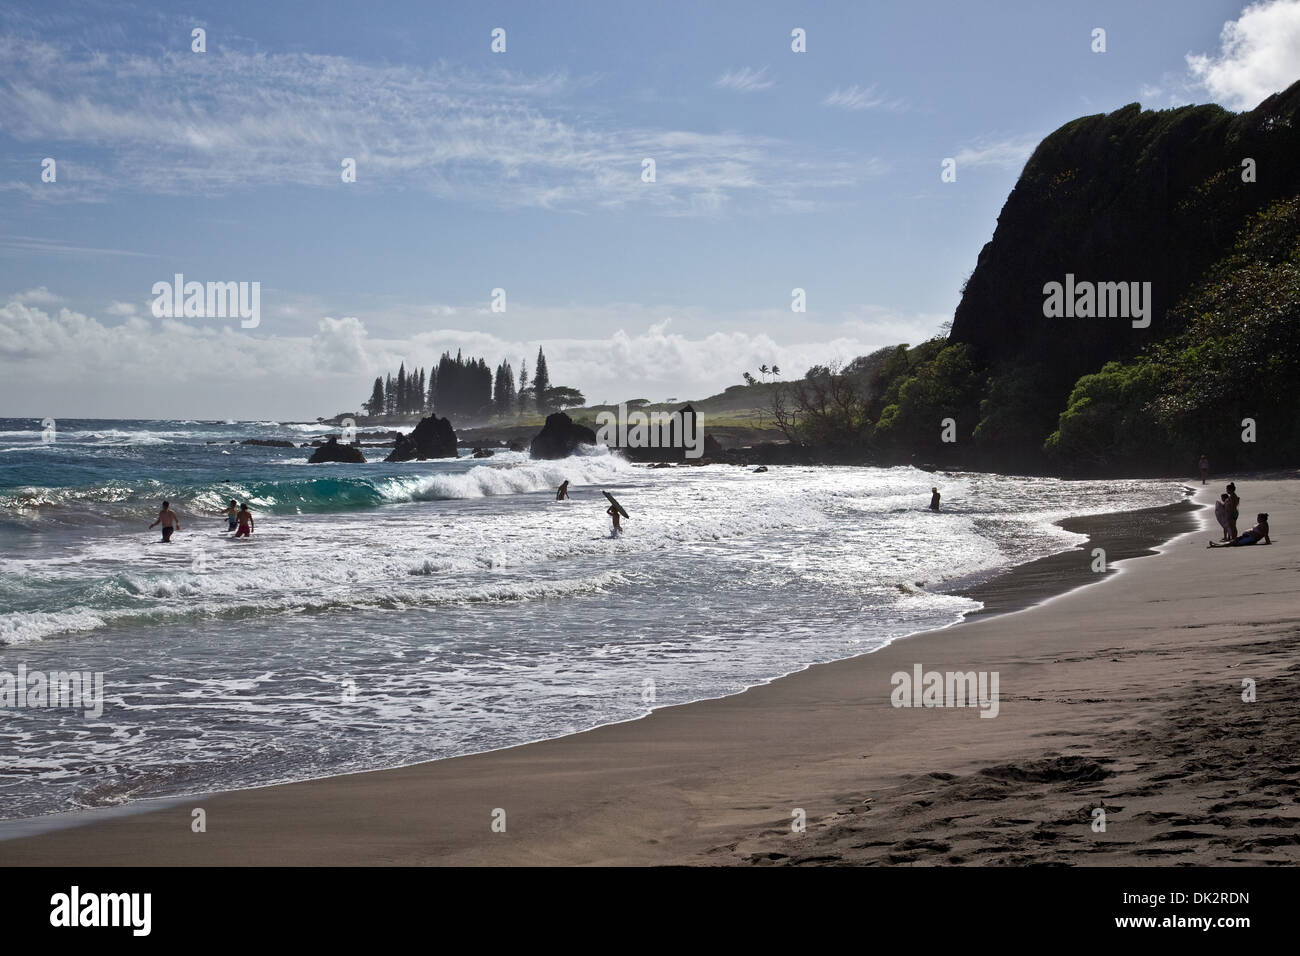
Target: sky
524, 170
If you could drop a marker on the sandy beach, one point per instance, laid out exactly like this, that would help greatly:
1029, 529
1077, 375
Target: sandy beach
1125, 696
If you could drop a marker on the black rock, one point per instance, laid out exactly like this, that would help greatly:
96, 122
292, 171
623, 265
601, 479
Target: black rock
432, 438
267, 442
560, 437
483, 453
333, 451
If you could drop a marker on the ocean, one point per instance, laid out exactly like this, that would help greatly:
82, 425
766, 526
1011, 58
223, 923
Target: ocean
382, 615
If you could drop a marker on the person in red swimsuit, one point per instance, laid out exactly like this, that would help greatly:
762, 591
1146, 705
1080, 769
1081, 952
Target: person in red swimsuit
245, 521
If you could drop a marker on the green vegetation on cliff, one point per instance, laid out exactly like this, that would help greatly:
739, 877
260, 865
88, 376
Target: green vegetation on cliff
1199, 202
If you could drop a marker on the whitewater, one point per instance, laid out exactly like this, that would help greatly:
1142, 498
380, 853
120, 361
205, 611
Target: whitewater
381, 614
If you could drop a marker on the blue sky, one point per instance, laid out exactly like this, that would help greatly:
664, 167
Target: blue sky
522, 170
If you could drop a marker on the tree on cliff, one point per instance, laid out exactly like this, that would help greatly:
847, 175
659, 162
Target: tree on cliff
541, 382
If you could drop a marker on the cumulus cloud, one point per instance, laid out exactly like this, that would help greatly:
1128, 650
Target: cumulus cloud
121, 309
1259, 54
38, 296
63, 362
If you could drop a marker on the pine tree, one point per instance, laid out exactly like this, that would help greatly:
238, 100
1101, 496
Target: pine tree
375, 406
432, 392
503, 398
541, 383
403, 402
390, 397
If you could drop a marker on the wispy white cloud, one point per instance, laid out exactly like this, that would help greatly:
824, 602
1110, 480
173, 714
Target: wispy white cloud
1259, 54
745, 80
862, 98
209, 124
1007, 153
35, 245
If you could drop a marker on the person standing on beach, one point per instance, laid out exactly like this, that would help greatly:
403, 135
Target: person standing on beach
169, 520
934, 499
232, 515
1221, 514
1234, 509
1205, 469
245, 521
563, 492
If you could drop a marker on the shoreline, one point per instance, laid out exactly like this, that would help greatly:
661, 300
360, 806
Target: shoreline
710, 782
1015, 588
1122, 535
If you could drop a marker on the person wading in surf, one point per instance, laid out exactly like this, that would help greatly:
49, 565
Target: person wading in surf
245, 522
169, 520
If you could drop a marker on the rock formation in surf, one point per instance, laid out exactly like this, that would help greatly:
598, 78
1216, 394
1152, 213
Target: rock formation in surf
433, 437
560, 437
332, 450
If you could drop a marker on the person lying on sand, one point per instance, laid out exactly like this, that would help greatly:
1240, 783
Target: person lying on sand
563, 492
169, 520
245, 521
1256, 535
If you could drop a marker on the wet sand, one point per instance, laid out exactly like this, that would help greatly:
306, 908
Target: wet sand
1123, 696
